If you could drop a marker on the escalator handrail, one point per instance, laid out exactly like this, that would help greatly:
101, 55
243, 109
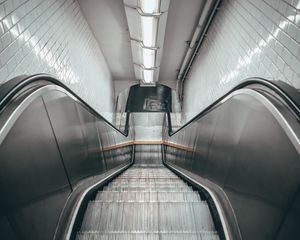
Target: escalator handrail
289, 94
10, 88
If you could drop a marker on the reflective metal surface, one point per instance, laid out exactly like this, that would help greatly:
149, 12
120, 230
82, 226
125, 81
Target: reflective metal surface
49, 143
147, 126
28, 192
248, 148
147, 154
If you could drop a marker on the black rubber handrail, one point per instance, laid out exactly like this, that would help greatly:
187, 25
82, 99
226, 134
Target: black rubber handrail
289, 94
10, 88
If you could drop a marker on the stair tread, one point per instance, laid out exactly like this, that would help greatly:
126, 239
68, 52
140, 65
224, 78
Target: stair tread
128, 201
158, 191
147, 232
147, 203
169, 188
147, 195
143, 216
204, 235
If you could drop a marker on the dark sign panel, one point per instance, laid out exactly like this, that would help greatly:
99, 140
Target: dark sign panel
149, 99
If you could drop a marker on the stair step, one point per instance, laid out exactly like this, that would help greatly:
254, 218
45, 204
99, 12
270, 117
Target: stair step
169, 189
149, 171
162, 196
149, 175
204, 235
141, 184
147, 203
147, 216
148, 182
151, 180
148, 178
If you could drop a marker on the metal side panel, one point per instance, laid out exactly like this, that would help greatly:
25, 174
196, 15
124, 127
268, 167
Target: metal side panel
248, 145
28, 191
44, 152
71, 136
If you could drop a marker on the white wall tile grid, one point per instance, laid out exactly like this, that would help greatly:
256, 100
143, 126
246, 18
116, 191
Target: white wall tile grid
52, 36
247, 38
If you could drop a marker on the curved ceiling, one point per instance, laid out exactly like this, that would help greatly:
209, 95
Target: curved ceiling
108, 22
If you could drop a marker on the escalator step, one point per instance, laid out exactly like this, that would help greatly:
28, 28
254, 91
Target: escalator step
169, 188
154, 196
148, 180
147, 216
148, 236
140, 184
147, 202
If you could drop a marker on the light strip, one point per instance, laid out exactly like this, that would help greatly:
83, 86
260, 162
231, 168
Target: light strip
149, 29
148, 75
148, 58
149, 6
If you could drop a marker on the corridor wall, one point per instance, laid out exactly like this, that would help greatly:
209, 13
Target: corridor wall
247, 38
52, 36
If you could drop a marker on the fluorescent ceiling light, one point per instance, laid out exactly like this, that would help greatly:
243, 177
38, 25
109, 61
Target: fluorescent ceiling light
148, 76
149, 29
148, 58
149, 6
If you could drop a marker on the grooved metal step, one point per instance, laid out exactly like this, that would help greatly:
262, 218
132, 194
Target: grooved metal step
148, 188
154, 196
148, 180
147, 236
147, 216
147, 203
150, 185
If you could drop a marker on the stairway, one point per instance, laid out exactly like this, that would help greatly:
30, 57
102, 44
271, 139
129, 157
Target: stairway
147, 202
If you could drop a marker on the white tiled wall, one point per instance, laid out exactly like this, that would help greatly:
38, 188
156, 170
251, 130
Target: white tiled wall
52, 36
247, 38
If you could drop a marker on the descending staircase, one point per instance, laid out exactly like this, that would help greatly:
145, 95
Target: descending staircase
147, 202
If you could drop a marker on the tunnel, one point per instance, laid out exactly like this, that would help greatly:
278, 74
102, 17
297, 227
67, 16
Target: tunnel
149, 119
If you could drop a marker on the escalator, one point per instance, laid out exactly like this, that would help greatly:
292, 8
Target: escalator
147, 202
231, 172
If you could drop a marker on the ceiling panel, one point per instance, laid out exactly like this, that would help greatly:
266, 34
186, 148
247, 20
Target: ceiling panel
182, 20
108, 22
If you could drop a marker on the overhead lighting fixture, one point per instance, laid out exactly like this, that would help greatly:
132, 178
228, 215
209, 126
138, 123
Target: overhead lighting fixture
148, 76
149, 6
149, 30
148, 58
